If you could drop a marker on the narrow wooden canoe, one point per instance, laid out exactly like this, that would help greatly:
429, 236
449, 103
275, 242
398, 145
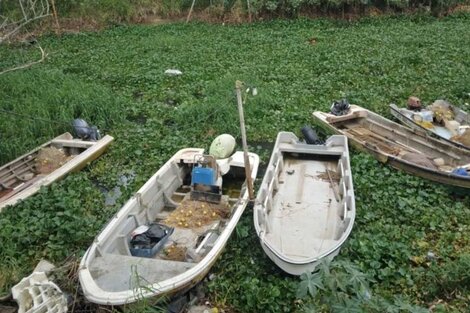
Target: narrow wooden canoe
109, 273
399, 146
22, 178
305, 207
406, 117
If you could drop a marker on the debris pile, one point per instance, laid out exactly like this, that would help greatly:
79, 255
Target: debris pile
333, 174
442, 111
463, 138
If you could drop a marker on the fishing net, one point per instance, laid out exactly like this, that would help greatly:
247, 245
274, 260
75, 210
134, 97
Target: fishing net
194, 214
49, 159
174, 252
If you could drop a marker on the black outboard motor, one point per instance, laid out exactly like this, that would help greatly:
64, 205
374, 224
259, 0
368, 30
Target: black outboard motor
340, 107
85, 132
310, 136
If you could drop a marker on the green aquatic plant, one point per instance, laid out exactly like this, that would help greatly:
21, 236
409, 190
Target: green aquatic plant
115, 79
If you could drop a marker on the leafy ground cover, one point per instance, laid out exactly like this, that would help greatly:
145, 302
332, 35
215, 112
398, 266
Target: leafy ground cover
410, 239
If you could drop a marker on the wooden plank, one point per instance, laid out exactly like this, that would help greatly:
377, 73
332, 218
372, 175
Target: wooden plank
74, 143
383, 143
8, 169
20, 188
332, 185
16, 174
414, 139
355, 113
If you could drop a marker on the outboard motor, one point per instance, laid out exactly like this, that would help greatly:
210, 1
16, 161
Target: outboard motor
310, 136
340, 107
85, 132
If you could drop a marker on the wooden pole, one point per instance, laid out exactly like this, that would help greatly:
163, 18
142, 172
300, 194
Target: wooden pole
56, 19
190, 11
249, 181
249, 10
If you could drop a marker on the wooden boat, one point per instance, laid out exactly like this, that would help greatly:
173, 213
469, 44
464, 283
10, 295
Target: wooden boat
399, 146
110, 274
24, 176
405, 116
305, 207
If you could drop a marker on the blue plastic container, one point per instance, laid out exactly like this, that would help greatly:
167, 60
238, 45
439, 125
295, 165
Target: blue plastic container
203, 176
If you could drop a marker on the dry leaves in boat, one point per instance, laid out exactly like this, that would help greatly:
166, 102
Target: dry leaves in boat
333, 174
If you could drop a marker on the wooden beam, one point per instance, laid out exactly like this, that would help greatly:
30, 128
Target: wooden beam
249, 181
73, 143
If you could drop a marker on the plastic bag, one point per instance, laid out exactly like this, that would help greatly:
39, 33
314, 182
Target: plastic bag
147, 239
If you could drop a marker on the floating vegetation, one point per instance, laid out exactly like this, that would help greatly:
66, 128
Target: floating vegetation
372, 62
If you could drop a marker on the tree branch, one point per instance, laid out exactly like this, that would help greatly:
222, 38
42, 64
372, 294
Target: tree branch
16, 29
43, 57
30, 14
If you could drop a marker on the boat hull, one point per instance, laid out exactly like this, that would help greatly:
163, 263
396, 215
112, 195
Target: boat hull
420, 129
397, 163
104, 270
297, 269
179, 287
305, 208
91, 151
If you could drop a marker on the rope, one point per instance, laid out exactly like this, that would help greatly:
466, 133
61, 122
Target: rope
41, 119
32, 117
186, 125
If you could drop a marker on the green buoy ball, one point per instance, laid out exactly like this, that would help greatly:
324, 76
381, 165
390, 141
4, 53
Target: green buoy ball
222, 147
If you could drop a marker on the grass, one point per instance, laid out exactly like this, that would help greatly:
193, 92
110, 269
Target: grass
114, 79
31, 113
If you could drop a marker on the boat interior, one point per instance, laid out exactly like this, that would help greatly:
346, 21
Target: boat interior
437, 128
164, 199
307, 202
29, 168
